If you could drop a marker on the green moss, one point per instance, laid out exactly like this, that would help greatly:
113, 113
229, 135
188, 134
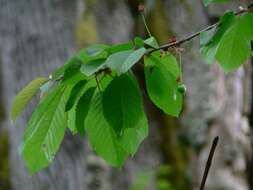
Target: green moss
176, 155
159, 24
86, 30
4, 161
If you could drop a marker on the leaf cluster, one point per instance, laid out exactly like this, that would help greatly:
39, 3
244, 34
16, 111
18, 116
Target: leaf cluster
229, 43
96, 94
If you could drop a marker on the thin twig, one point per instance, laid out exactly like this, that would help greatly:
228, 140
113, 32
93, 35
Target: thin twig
96, 77
188, 38
145, 23
209, 163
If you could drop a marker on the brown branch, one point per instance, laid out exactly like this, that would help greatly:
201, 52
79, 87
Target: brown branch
190, 37
209, 163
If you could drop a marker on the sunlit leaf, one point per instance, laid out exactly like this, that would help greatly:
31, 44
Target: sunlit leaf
162, 86
45, 131
122, 61
151, 41
209, 40
25, 95
234, 48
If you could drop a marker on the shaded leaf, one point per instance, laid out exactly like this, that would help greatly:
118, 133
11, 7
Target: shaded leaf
72, 112
82, 109
74, 94
111, 147
122, 103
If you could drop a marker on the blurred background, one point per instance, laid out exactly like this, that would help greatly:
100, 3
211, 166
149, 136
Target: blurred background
37, 36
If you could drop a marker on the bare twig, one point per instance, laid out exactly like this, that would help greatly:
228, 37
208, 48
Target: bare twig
209, 163
188, 38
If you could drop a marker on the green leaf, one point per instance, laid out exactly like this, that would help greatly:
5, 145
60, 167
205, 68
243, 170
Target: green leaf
93, 66
82, 109
113, 148
132, 137
68, 69
46, 86
168, 61
234, 47
72, 72
245, 24
96, 49
152, 42
209, 40
138, 42
74, 94
162, 86
45, 131
101, 135
207, 2
121, 62
72, 120
94, 52
122, 103
25, 95
121, 47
